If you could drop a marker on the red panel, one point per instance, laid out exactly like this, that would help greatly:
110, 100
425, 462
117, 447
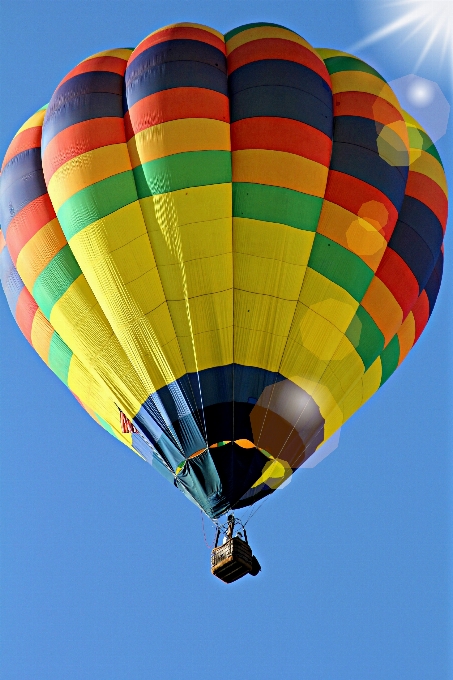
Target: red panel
27, 222
178, 33
351, 193
90, 134
399, 279
366, 106
179, 102
28, 139
428, 192
111, 64
2, 241
25, 313
276, 48
421, 314
281, 134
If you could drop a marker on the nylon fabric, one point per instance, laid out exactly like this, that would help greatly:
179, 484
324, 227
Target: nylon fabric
230, 241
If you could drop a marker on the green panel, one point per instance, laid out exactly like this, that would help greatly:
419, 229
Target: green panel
337, 64
55, 280
275, 204
96, 201
340, 266
365, 336
420, 140
246, 27
389, 358
59, 357
183, 170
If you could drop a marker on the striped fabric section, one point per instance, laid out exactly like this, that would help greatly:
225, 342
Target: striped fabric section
95, 194
359, 208
53, 350
281, 141
36, 253
179, 145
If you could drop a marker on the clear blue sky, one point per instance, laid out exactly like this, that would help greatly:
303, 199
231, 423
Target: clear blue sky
104, 570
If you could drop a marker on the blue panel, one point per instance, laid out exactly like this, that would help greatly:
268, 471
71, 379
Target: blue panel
175, 50
370, 168
83, 107
414, 251
22, 184
85, 83
363, 132
279, 72
11, 281
20, 166
176, 74
433, 285
282, 102
422, 220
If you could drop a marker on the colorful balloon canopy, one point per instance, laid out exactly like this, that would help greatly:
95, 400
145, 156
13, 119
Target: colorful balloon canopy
223, 246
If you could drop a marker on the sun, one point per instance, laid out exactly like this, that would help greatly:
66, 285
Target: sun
429, 22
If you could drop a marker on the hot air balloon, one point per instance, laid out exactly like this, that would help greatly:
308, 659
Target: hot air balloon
223, 245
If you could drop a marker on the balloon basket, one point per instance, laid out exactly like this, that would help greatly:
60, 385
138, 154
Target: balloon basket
232, 560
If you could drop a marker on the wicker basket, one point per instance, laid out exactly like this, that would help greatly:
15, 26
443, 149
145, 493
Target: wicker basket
232, 560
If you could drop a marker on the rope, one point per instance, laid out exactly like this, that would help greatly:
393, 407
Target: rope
210, 547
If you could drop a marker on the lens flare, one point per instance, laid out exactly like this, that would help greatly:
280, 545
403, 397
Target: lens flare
431, 22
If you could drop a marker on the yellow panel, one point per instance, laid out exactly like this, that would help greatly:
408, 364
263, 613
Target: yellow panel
337, 390
265, 32
258, 348
197, 240
262, 313
95, 398
135, 259
425, 164
121, 227
142, 343
81, 324
86, 169
201, 276
271, 240
178, 136
191, 235
39, 251
187, 206
359, 81
328, 300
406, 336
213, 348
41, 335
372, 380
268, 277
383, 308
207, 313
300, 361
353, 399
316, 347
261, 326
281, 169
318, 335
359, 234
346, 364
160, 320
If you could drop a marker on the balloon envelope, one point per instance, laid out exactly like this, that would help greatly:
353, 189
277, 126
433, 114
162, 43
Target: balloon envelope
223, 246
